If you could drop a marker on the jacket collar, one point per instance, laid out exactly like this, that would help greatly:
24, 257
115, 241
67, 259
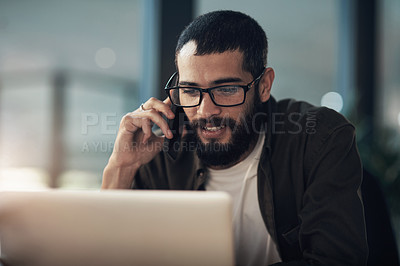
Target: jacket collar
269, 108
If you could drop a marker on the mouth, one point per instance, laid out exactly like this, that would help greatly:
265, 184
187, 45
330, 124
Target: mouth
213, 132
213, 129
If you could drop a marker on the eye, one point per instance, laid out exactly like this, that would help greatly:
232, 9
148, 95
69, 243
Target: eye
189, 91
229, 90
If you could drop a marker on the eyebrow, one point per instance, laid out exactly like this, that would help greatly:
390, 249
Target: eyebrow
215, 82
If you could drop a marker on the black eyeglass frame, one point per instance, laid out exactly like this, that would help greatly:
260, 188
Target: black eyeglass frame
247, 87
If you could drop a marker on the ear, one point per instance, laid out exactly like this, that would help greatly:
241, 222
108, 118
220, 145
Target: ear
265, 84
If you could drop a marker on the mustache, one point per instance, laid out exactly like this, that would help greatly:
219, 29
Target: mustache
214, 121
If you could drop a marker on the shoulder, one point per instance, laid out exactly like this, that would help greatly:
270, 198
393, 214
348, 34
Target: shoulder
309, 119
301, 130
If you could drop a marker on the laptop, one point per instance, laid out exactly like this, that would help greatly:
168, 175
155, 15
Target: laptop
119, 227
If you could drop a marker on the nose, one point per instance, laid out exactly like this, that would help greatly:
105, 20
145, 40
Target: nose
207, 108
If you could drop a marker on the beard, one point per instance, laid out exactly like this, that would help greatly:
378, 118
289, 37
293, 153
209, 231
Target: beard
244, 134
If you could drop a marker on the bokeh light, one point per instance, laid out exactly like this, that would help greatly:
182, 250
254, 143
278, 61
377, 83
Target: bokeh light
332, 100
105, 57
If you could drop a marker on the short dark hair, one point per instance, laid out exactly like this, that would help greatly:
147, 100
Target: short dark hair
225, 30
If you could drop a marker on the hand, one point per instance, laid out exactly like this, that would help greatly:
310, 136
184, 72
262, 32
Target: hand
136, 144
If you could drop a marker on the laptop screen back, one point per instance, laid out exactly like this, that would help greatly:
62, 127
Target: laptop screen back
116, 228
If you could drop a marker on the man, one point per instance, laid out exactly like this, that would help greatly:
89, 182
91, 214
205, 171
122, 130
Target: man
292, 169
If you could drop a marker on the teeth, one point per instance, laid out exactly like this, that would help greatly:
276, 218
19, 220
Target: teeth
214, 128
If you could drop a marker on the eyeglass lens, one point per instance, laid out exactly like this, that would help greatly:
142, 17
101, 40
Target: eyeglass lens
224, 95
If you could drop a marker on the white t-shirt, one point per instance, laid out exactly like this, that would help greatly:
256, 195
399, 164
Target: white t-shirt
253, 243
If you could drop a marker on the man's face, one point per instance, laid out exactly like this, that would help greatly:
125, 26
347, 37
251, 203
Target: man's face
211, 123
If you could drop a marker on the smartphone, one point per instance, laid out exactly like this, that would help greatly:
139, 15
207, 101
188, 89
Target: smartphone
172, 146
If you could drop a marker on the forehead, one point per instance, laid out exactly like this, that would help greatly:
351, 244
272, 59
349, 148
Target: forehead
209, 67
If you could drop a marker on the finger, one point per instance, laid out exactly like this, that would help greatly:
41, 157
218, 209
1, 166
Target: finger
160, 122
160, 106
129, 124
153, 117
146, 127
168, 101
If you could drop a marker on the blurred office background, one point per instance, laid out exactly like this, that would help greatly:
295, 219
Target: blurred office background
69, 70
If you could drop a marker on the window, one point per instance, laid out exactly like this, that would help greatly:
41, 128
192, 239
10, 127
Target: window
62, 134
303, 40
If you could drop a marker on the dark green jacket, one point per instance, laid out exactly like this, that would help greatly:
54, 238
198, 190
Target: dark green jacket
309, 179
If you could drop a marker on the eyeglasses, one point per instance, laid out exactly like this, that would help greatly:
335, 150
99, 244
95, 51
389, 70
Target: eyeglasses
226, 95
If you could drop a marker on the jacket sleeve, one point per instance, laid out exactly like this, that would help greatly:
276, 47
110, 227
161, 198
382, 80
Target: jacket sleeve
332, 230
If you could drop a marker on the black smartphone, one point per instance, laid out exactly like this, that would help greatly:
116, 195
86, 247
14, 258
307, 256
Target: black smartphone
172, 146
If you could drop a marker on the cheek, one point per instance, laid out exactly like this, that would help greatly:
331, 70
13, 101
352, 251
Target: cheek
233, 113
190, 113
248, 105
